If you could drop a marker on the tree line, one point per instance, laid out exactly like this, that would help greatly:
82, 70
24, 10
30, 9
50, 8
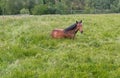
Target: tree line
39, 7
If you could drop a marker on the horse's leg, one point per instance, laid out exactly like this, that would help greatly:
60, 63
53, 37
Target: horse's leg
69, 35
74, 37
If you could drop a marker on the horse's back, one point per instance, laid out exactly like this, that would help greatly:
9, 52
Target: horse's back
57, 33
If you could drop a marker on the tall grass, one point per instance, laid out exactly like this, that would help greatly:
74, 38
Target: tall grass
28, 51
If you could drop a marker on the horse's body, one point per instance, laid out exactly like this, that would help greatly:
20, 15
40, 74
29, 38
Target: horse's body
69, 32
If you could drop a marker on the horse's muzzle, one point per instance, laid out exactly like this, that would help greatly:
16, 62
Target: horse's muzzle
81, 32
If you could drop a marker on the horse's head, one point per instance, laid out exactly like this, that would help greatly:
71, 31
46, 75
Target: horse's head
79, 26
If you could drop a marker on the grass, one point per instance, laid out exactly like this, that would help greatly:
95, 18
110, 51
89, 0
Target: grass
28, 51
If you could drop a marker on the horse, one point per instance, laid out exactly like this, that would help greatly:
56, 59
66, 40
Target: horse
68, 32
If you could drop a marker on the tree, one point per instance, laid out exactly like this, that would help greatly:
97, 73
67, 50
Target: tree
56, 6
115, 7
13, 6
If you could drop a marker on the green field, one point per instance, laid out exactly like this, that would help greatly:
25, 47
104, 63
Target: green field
28, 51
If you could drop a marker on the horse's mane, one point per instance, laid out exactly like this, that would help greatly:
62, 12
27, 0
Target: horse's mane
70, 27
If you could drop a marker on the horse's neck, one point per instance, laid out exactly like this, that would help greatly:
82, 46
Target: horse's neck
74, 31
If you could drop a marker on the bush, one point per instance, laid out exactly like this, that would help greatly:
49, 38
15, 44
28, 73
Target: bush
43, 9
39, 10
51, 11
24, 11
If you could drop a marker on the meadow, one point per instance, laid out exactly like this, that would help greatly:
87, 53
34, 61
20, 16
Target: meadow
28, 51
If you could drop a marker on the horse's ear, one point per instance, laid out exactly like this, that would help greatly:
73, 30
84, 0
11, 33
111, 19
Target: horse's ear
80, 21
76, 22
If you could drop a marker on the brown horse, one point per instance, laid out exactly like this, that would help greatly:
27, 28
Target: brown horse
69, 32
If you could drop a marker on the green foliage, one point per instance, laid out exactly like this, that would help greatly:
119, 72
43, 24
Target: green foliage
13, 7
43, 9
0, 11
40, 9
24, 11
114, 7
59, 6
28, 51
